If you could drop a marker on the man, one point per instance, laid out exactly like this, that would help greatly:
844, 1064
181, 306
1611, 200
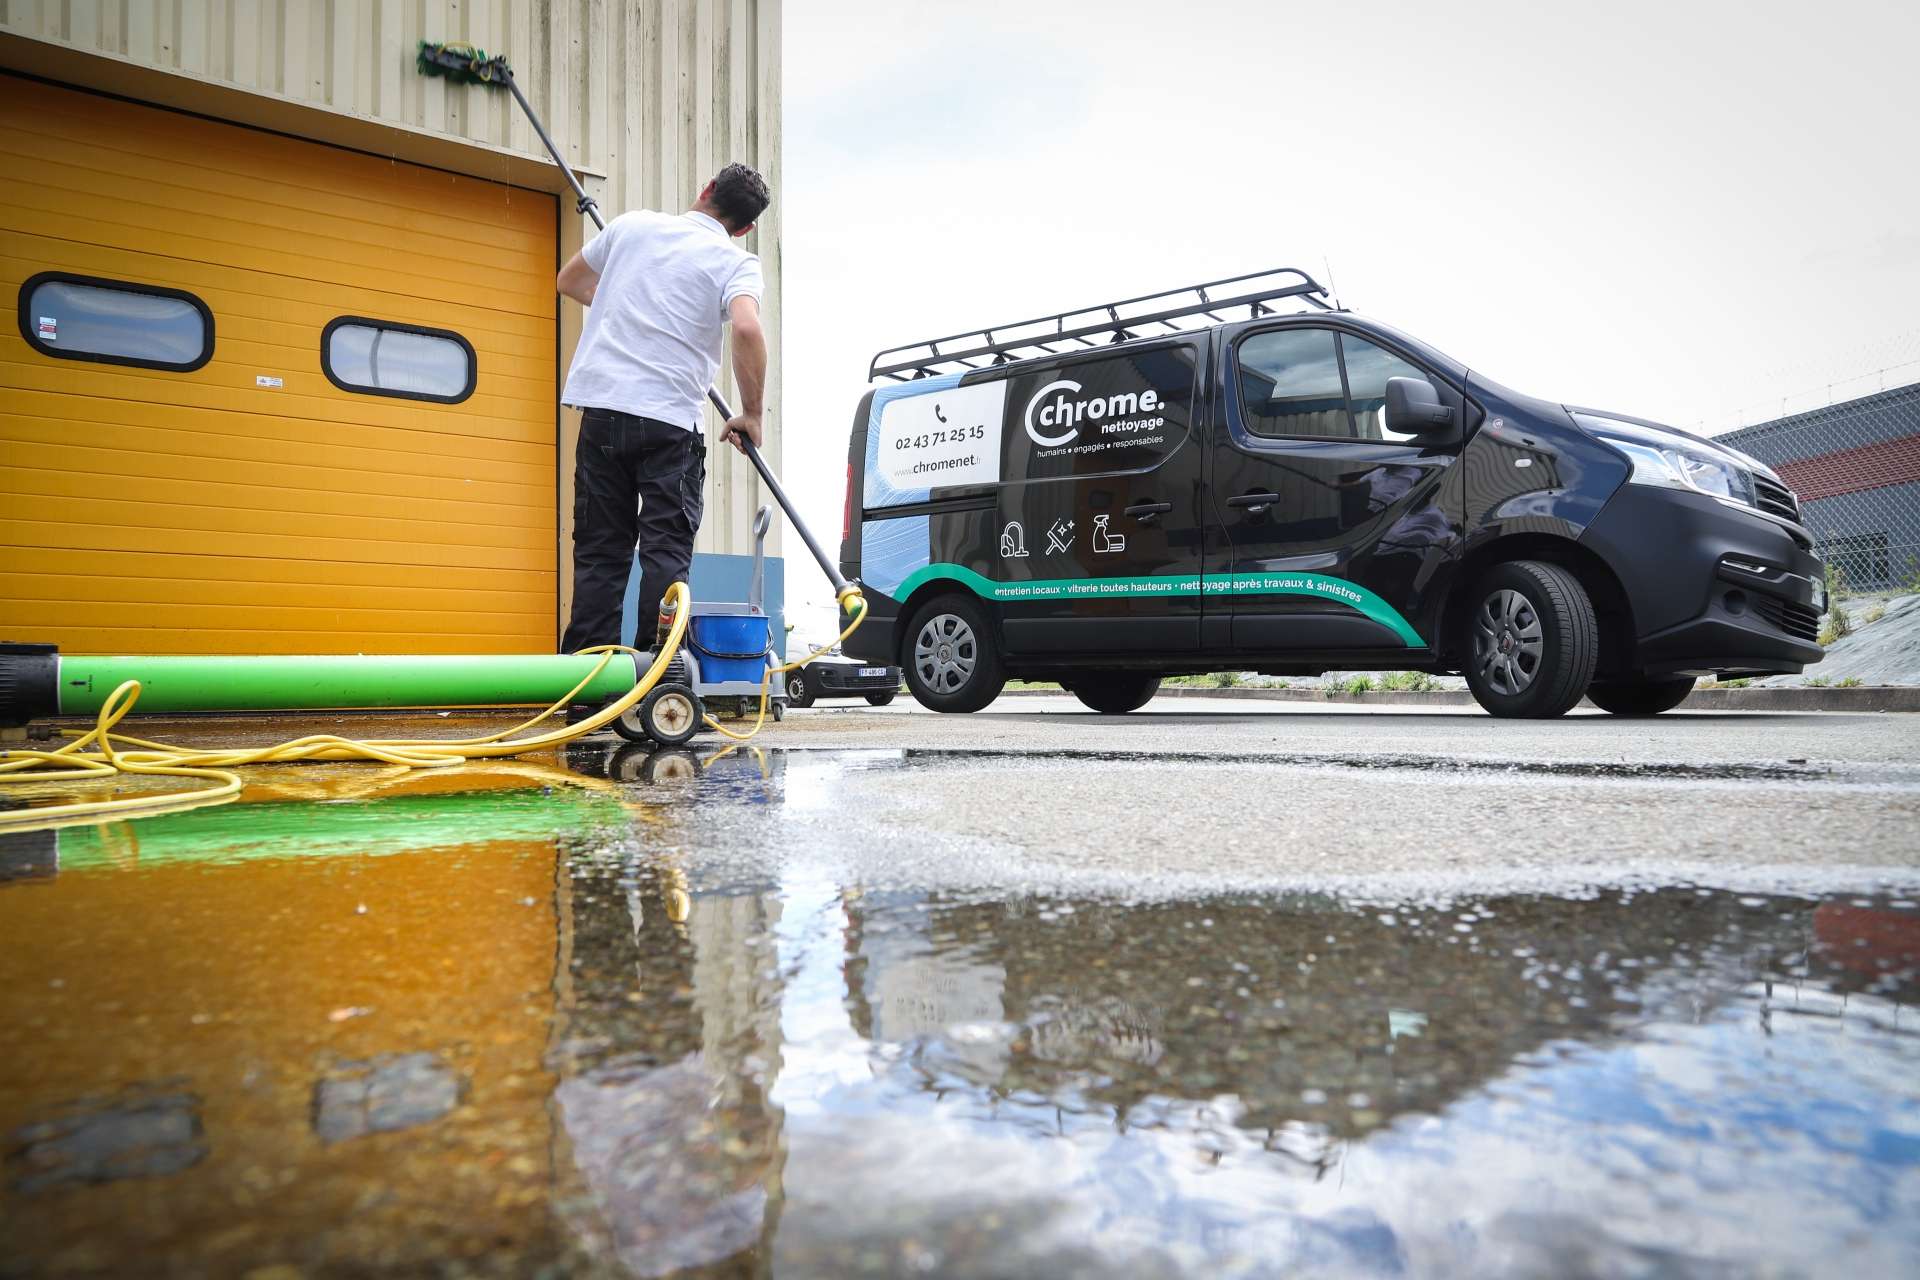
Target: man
658, 289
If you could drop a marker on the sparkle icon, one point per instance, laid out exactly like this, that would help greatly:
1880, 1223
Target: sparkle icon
1060, 536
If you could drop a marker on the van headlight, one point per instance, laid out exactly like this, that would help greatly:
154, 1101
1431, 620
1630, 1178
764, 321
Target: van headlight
1673, 462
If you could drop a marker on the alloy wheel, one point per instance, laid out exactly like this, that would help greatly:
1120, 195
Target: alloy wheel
1508, 642
945, 653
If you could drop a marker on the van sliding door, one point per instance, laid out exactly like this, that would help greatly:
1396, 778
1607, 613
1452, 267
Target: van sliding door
1097, 535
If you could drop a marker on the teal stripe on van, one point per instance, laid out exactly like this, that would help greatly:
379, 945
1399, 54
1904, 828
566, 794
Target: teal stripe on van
1319, 585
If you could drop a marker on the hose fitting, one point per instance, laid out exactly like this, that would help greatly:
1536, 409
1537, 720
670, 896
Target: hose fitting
669, 610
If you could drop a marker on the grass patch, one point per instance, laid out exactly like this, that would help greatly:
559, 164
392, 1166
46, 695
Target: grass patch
1818, 682
1211, 680
1850, 682
1353, 684
1408, 682
1873, 615
1838, 624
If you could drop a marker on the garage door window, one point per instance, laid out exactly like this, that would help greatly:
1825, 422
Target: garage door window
115, 322
381, 358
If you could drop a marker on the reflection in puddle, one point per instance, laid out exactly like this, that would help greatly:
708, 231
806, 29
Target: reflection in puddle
536, 1019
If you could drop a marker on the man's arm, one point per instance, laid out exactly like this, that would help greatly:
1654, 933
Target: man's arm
749, 372
577, 280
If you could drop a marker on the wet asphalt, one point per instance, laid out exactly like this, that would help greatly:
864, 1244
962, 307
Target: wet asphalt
1248, 989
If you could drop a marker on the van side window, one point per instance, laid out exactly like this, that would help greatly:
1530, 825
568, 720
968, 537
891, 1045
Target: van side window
1368, 368
1290, 384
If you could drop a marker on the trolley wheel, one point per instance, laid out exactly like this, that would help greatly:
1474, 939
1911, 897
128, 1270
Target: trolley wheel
668, 715
882, 699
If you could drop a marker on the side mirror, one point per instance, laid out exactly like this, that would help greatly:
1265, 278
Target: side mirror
1414, 408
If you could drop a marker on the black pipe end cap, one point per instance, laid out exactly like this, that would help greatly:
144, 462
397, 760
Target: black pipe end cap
29, 682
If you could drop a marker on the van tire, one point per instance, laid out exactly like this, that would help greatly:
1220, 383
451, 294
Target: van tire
1531, 640
1114, 693
1640, 697
951, 654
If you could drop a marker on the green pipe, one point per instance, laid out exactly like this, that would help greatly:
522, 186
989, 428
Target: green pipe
333, 683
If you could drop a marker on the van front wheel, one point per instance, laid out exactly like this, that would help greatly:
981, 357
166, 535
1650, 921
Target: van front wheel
1531, 639
1114, 693
951, 656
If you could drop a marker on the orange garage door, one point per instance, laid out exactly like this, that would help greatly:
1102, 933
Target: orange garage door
266, 395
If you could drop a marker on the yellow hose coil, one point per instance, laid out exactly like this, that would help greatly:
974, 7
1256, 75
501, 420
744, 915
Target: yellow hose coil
115, 753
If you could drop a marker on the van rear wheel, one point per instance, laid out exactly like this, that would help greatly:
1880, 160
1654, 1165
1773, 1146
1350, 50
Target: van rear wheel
952, 656
1640, 697
1532, 640
1114, 693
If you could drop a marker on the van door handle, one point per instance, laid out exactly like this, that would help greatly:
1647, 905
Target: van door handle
1148, 512
1255, 503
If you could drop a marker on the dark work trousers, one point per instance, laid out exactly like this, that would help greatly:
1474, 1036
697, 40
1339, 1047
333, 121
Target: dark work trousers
637, 485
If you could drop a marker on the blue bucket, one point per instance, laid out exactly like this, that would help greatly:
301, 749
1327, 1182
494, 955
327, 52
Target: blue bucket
731, 646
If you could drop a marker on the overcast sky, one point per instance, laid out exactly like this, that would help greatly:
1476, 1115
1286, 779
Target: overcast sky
1692, 212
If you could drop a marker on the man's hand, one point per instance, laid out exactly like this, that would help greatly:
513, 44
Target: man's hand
744, 427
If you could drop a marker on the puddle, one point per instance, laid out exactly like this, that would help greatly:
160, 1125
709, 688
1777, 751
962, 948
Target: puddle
579, 1018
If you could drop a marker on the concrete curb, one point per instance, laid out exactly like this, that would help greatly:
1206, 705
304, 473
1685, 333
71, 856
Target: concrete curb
1863, 699
1878, 697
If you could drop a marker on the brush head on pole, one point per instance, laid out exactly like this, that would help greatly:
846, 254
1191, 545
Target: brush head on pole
462, 64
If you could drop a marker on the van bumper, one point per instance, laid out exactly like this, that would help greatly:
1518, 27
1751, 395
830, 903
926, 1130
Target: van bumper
1713, 589
877, 640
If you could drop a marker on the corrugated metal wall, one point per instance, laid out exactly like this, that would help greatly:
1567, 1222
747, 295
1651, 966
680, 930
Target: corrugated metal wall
654, 95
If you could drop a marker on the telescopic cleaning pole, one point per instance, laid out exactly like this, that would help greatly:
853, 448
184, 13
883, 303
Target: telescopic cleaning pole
464, 64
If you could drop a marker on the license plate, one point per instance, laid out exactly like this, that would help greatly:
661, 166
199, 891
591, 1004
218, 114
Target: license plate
873, 671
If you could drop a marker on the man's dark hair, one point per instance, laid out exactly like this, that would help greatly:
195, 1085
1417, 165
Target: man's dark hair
740, 196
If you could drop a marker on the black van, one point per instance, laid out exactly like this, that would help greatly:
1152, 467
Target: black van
1194, 481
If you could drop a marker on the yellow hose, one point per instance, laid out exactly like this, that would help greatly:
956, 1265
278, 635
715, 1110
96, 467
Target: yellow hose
119, 754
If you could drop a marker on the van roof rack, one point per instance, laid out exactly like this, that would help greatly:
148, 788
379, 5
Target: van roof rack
1173, 310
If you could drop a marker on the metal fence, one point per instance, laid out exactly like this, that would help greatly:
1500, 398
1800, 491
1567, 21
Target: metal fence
1856, 468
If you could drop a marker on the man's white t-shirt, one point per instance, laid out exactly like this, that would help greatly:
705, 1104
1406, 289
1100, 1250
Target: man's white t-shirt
651, 345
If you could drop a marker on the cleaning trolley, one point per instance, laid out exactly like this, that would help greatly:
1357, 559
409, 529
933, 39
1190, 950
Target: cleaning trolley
723, 667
